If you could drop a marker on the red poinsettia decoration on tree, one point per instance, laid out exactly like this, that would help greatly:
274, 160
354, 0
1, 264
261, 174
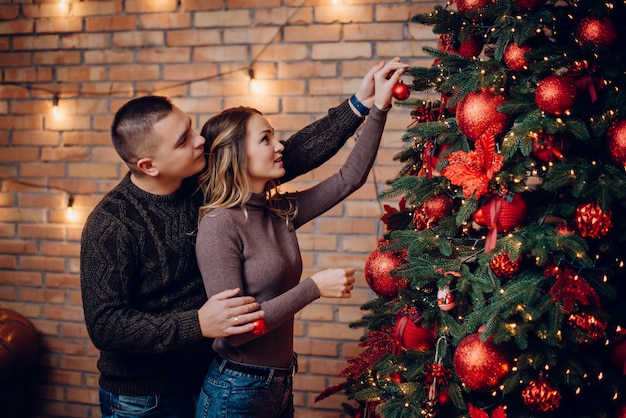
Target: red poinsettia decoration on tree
473, 170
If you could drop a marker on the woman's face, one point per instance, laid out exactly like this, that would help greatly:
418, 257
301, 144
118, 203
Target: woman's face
264, 153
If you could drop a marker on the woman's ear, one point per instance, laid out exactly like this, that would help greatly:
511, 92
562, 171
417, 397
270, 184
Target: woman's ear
146, 166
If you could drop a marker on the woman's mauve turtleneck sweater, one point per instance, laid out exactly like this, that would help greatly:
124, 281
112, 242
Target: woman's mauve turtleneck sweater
261, 255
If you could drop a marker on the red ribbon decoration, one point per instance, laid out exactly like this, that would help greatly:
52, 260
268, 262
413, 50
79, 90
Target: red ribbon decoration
398, 332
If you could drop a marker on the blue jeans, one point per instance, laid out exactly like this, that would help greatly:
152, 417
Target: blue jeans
152, 406
236, 394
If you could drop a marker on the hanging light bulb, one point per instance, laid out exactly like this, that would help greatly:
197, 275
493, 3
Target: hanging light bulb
71, 213
255, 88
55, 106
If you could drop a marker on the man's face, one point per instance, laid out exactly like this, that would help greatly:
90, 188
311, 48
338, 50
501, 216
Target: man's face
180, 153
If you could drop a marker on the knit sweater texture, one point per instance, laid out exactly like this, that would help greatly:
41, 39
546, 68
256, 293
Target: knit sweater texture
260, 254
140, 282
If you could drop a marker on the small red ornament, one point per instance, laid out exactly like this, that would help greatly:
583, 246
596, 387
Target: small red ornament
555, 95
514, 56
616, 141
621, 411
591, 221
503, 267
377, 268
410, 335
471, 47
546, 148
598, 31
509, 217
480, 365
401, 91
471, 6
541, 396
478, 112
260, 327
432, 211
529, 4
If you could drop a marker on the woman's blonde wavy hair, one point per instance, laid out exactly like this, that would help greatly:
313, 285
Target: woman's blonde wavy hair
224, 182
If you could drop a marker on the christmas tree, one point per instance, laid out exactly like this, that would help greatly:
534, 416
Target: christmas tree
500, 279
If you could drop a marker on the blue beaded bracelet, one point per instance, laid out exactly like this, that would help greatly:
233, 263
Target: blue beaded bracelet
359, 106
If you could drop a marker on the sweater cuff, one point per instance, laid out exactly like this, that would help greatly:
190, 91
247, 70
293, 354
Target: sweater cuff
189, 324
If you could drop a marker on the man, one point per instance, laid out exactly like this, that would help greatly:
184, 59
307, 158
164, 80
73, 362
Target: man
144, 302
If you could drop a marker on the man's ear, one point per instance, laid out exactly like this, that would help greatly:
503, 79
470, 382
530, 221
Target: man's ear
145, 166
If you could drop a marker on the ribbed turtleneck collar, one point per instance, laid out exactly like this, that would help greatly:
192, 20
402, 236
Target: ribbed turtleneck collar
257, 201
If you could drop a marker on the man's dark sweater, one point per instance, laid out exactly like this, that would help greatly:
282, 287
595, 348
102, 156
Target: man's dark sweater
140, 282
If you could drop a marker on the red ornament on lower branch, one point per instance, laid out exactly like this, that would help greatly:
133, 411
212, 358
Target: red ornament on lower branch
409, 334
480, 365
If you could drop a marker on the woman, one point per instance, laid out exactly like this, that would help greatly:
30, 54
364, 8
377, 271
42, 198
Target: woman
258, 252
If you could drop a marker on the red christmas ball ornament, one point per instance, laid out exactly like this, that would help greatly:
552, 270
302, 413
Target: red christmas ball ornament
541, 396
260, 327
411, 335
438, 207
555, 95
598, 31
529, 4
432, 211
503, 267
471, 47
616, 141
377, 268
466, 7
621, 411
509, 217
401, 91
478, 112
546, 148
591, 221
514, 56
480, 365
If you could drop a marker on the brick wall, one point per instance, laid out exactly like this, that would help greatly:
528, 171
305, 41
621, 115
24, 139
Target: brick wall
307, 56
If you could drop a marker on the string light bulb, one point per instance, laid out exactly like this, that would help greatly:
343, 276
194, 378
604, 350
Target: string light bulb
55, 106
254, 84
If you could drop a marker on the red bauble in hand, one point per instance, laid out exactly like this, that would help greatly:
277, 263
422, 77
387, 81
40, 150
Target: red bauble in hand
401, 91
555, 95
259, 327
478, 112
616, 141
598, 31
377, 268
480, 365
